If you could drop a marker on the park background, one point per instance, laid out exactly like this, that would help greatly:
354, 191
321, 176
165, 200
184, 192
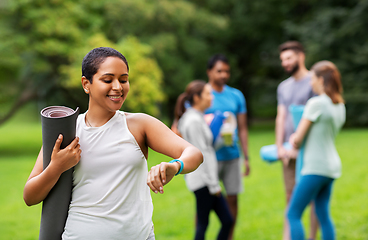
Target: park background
167, 44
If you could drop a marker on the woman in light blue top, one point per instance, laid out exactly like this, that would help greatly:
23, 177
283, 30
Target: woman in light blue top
204, 181
323, 117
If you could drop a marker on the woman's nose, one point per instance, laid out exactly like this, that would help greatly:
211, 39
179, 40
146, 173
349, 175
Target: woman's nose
116, 85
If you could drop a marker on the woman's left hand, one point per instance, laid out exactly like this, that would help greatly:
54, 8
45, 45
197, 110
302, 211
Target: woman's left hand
161, 174
292, 141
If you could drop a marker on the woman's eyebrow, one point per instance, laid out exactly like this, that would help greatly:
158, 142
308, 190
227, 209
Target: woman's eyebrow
107, 74
111, 74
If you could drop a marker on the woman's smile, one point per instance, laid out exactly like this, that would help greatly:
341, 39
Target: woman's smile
115, 98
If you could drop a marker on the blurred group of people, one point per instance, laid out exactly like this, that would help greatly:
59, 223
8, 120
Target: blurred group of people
199, 109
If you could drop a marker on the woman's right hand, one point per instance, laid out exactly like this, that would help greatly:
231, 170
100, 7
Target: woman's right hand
40, 181
64, 159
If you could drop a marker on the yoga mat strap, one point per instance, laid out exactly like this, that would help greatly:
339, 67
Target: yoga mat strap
56, 120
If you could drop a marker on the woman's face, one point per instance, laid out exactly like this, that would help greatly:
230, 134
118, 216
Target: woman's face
317, 83
206, 97
110, 85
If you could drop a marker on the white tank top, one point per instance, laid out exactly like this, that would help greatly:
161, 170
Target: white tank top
110, 198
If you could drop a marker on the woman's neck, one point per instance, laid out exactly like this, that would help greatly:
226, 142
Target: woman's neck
198, 108
96, 118
321, 92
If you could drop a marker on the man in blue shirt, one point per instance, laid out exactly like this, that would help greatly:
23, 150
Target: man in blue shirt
228, 99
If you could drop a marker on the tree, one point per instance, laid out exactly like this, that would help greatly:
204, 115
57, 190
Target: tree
180, 33
44, 43
334, 31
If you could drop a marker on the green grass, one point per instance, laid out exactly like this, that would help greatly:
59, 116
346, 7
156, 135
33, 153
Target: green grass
261, 205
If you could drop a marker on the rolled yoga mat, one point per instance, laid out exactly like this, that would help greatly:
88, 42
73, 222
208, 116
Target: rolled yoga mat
269, 152
56, 120
216, 124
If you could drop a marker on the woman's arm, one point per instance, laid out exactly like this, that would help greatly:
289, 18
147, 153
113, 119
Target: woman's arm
296, 139
40, 181
161, 139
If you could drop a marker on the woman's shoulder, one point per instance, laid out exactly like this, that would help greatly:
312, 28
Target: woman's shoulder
316, 101
136, 116
314, 108
80, 119
189, 119
192, 115
140, 119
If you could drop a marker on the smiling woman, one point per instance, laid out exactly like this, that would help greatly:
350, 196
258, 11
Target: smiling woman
108, 89
110, 197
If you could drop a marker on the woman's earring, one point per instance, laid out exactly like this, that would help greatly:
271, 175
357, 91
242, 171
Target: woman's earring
86, 90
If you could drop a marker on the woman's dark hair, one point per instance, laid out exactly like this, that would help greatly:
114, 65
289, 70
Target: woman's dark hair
193, 88
331, 79
92, 61
215, 58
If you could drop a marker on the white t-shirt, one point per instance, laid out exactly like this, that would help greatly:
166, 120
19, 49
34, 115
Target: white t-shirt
320, 154
110, 198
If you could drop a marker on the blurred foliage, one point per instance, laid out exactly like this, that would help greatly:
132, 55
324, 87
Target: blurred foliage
335, 31
145, 76
180, 33
44, 43
168, 42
